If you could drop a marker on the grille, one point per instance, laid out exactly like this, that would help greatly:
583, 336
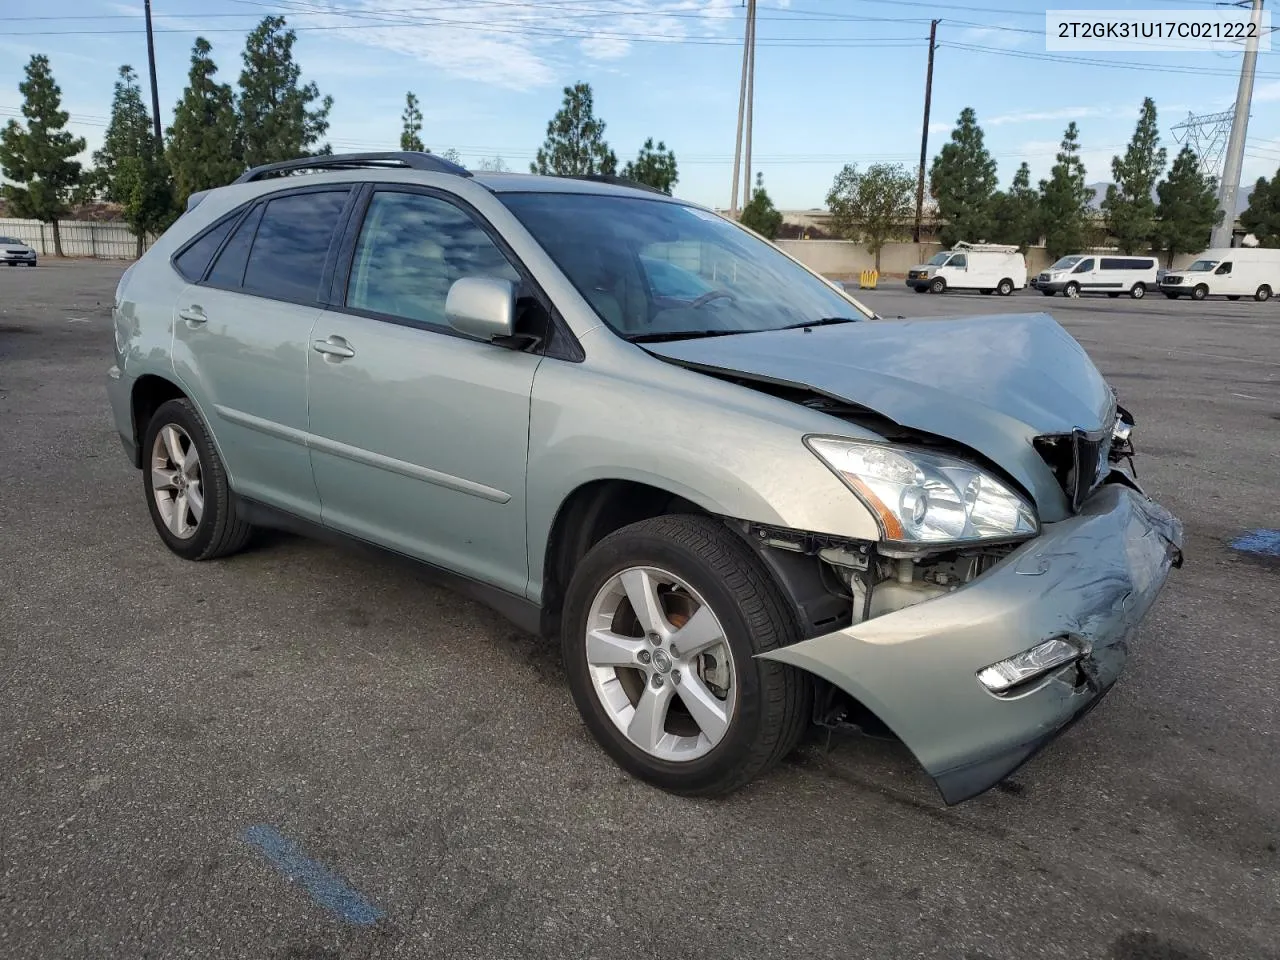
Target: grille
1172, 280
1078, 460
1044, 276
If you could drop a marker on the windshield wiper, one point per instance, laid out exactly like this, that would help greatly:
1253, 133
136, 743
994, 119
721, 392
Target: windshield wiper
681, 335
824, 322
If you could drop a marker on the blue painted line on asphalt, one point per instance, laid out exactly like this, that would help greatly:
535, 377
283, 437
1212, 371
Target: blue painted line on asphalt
326, 887
1265, 542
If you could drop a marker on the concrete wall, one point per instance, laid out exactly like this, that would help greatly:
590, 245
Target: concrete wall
80, 238
845, 259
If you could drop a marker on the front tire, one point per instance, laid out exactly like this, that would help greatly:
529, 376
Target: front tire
938, 285
1071, 290
186, 487
1200, 292
663, 621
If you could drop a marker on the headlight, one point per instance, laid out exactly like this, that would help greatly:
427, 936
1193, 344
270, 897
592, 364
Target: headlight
922, 497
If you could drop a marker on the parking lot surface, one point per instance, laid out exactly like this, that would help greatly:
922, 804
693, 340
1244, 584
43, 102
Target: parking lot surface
309, 752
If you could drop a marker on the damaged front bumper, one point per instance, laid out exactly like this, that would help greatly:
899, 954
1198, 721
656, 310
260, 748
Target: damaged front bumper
1090, 579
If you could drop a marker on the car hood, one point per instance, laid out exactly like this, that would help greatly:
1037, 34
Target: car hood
992, 383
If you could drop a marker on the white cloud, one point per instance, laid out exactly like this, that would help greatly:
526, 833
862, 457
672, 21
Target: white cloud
995, 37
522, 46
1266, 92
1035, 116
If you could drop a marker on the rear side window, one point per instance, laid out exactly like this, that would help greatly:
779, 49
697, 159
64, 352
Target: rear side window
1127, 263
228, 271
194, 260
292, 243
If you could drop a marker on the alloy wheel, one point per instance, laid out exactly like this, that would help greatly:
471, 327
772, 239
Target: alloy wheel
660, 664
177, 481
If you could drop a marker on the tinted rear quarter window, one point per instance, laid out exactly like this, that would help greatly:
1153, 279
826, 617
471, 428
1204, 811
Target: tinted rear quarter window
228, 270
292, 243
194, 260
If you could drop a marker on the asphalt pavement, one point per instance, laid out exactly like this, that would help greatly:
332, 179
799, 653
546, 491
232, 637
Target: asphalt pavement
307, 752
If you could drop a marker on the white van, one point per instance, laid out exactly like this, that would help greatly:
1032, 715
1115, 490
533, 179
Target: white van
1094, 273
971, 266
1231, 272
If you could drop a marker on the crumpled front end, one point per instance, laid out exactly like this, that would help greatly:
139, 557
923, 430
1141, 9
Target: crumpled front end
932, 672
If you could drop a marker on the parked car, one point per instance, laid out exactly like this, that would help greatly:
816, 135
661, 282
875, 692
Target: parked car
15, 253
985, 267
743, 511
1231, 272
1085, 273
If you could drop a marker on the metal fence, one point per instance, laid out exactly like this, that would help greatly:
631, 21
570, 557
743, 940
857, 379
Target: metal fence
80, 238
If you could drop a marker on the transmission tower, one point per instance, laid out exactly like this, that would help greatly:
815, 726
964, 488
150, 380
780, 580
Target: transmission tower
1206, 135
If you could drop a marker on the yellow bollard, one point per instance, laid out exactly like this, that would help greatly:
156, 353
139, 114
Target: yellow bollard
868, 279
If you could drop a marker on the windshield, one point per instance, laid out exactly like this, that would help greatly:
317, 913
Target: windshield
1066, 263
938, 259
1200, 266
655, 269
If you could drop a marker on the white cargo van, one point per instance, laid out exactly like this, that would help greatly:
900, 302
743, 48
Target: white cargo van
1092, 273
1231, 272
971, 266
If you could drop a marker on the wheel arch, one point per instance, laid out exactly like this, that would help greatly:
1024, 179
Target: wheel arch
149, 392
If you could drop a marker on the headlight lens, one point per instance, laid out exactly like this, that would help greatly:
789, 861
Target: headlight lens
923, 497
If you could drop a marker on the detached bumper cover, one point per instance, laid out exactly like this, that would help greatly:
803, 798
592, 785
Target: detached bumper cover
1092, 577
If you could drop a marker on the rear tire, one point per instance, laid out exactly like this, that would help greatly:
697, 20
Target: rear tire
1138, 291
696, 565
938, 285
186, 487
1005, 287
1263, 294
1200, 292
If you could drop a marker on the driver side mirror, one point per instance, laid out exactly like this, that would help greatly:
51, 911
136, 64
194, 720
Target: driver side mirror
482, 307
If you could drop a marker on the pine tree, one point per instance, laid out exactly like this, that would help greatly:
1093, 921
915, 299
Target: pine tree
1188, 207
276, 113
130, 165
1064, 199
1262, 216
654, 167
963, 181
575, 143
874, 206
1016, 212
411, 135
1129, 204
759, 213
205, 148
37, 158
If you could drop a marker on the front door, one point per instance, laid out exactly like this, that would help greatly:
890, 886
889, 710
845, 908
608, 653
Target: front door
419, 435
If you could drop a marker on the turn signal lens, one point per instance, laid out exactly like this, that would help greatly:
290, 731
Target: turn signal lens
1039, 660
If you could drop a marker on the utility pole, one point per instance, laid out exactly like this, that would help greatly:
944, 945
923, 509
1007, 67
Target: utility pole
1230, 185
155, 92
748, 64
751, 99
924, 132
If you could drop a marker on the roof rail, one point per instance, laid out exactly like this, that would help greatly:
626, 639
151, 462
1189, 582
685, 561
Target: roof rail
613, 179
355, 161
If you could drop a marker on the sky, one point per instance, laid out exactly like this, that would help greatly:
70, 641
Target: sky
836, 81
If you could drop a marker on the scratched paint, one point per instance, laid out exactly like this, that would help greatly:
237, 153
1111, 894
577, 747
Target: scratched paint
325, 887
1264, 542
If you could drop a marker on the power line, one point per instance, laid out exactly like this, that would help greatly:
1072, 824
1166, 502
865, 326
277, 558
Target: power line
1093, 62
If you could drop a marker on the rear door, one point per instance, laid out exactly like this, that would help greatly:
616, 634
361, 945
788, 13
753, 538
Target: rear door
419, 434
241, 337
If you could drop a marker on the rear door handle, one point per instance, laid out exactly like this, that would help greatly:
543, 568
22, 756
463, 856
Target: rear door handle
334, 348
193, 314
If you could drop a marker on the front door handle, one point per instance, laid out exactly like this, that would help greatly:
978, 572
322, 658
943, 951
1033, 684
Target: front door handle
193, 314
334, 348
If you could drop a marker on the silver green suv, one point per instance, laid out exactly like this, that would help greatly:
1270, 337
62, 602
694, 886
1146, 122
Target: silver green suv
745, 504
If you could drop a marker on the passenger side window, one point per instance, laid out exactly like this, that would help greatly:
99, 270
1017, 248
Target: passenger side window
959, 261
1224, 269
289, 251
194, 260
1084, 267
412, 248
228, 270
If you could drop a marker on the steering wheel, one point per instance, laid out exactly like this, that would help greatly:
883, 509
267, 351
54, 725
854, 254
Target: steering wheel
711, 295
